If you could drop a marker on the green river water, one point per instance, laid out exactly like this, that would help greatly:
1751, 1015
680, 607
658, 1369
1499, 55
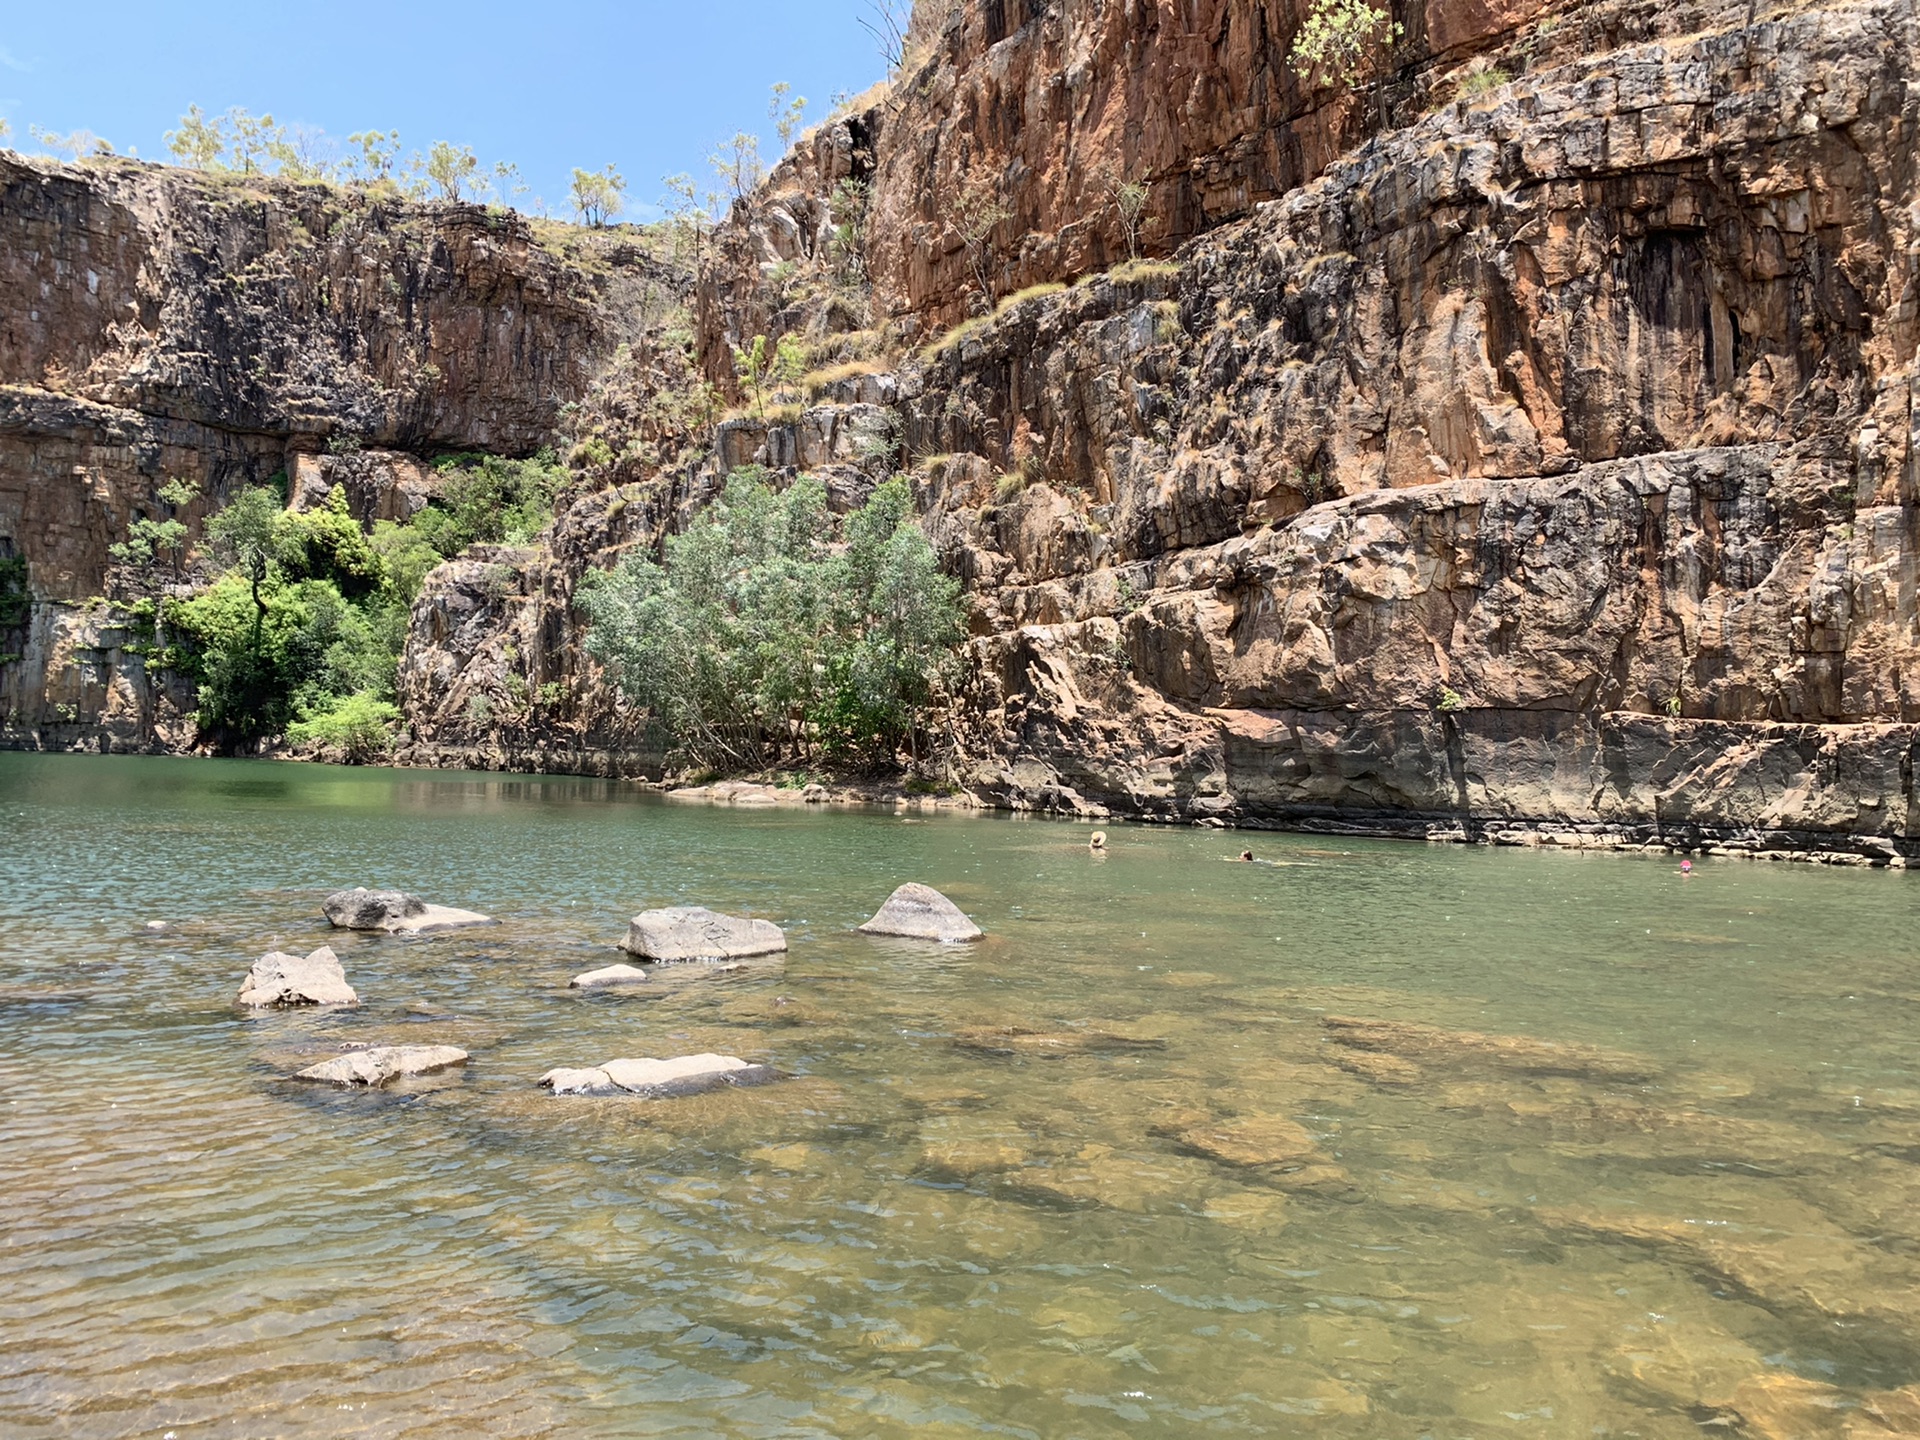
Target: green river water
1614, 1153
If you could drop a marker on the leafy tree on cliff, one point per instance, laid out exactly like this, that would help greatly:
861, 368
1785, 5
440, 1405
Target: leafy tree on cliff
848, 247
450, 168
199, 142
1342, 39
1129, 201
763, 366
737, 163
786, 114
374, 164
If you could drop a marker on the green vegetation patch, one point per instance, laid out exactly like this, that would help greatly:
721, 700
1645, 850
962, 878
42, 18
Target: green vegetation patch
768, 632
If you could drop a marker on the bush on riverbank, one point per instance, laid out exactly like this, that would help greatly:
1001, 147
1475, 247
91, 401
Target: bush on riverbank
766, 632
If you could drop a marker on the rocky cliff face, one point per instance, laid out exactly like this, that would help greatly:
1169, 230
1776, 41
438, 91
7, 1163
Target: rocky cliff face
157, 324
1547, 458
1525, 445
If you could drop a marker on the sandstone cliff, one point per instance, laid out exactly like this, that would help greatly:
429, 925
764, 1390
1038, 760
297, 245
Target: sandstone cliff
1523, 445
1547, 457
157, 324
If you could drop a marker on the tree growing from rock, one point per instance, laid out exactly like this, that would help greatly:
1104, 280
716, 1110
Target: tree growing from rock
848, 247
451, 168
689, 214
973, 212
786, 113
765, 365
1129, 201
736, 161
1343, 39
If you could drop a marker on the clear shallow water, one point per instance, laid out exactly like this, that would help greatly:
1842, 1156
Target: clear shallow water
1110, 1172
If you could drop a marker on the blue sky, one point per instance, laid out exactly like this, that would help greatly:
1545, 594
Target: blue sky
647, 86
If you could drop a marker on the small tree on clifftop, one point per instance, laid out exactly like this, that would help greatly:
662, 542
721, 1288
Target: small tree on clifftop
596, 195
785, 113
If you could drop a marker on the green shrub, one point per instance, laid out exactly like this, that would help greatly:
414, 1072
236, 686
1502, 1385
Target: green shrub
486, 500
1482, 82
361, 726
757, 634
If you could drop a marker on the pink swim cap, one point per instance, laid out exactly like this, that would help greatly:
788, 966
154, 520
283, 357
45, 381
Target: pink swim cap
1686, 865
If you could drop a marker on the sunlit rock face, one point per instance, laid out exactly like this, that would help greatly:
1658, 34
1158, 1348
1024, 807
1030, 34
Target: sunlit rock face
1523, 449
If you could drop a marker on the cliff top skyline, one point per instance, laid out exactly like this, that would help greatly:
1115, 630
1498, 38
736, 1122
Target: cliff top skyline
586, 83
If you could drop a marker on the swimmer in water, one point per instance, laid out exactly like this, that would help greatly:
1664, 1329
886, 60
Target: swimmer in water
1098, 843
1247, 855
1686, 867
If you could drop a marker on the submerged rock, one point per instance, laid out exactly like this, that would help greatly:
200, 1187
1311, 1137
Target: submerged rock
610, 977
659, 1079
693, 932
1018, 1040
379, 1064
1417, 1045
281, 979
920, 912
395, 912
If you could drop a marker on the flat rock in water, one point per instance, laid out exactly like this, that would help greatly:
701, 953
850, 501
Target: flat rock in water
395, 912
377, 1065
921, 912
659, 1079
587, 1080
693, 932
610, 976
281, 979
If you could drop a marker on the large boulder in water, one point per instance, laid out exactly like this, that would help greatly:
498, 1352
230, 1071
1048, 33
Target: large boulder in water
921, 912
659, 1079
281, 979
693, 932
395, 912
378, 1064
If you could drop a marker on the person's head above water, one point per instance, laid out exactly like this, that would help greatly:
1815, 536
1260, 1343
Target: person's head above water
1098, 840
1686, 867
1246, 854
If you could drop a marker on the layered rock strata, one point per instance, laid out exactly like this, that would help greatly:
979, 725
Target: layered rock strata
1543, 467
160, 325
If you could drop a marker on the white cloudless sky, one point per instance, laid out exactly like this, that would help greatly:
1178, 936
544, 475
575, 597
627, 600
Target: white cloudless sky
546, 84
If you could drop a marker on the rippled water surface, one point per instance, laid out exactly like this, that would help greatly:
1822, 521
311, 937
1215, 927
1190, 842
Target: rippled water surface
1382, 1140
